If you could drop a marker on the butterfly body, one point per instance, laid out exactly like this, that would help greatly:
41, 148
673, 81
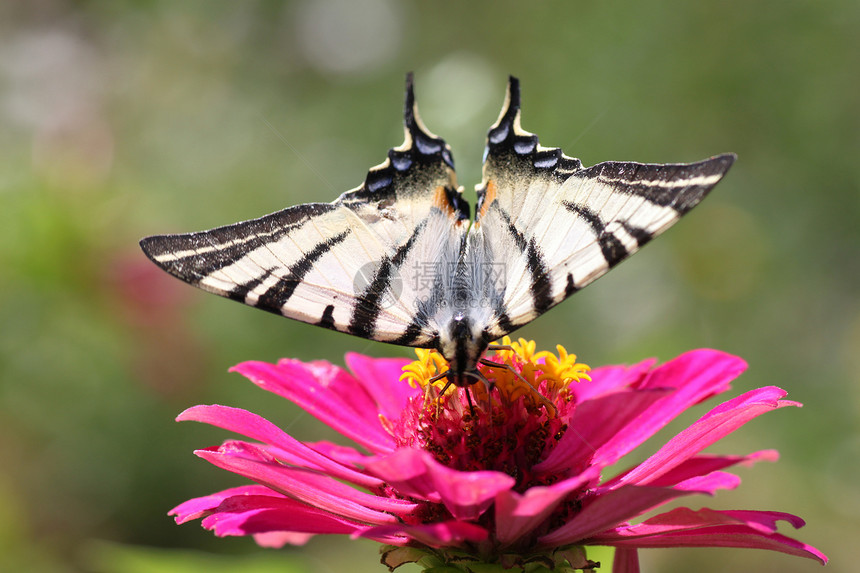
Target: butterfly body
399, 259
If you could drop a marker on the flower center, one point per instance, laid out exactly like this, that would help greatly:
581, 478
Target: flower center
509, 426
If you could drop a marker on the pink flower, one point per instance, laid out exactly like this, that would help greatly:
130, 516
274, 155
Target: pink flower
496, 478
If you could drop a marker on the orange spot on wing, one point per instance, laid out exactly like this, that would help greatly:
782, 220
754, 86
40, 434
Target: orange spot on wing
440, 199
489, 197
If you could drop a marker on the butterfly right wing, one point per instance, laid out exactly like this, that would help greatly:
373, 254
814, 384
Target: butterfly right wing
348, 265
551, 227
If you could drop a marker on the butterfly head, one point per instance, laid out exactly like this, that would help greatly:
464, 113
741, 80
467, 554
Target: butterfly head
462, 344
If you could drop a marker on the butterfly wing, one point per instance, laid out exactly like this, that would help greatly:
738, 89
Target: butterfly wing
557, 226
340, 265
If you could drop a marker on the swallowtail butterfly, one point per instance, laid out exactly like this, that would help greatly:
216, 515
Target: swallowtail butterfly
400, 260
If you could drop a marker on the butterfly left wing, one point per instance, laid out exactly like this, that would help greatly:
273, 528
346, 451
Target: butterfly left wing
552, 226
340, 265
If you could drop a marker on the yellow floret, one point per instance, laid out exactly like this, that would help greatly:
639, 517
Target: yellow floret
520, 371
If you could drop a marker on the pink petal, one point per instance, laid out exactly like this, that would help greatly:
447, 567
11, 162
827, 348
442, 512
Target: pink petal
343, 454
697, 375
708, 371
594, 422
705, 464
682, 518
626, 560
416, 473
337, 381
258, 428
683, 527
608, 379
380, 378
314, 489
328, 393
246, 515
714, 425
443, 534
277, 539
202, 506
518, 514
764, 520
608, 510
709, 483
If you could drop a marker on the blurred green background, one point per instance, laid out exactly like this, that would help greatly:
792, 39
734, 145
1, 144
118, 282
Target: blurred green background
121, 119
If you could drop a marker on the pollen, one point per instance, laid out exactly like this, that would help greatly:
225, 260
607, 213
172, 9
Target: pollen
520, 371
515, 369
424, 373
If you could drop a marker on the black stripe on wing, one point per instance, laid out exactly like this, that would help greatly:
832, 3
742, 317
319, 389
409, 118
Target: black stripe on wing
194, 256
541, 283
240, 292
610, 246
369, 305
680, 186
327, 319
413, 332
280, 293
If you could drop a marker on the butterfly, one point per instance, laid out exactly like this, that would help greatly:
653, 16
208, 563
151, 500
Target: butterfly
399, 259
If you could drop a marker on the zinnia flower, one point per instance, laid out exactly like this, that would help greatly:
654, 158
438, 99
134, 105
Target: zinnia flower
508, 477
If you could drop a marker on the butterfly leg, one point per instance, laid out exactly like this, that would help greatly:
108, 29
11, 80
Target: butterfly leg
439, 377
476, 374
442, 392
465, 389
547, 404
447, 374
469, 400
